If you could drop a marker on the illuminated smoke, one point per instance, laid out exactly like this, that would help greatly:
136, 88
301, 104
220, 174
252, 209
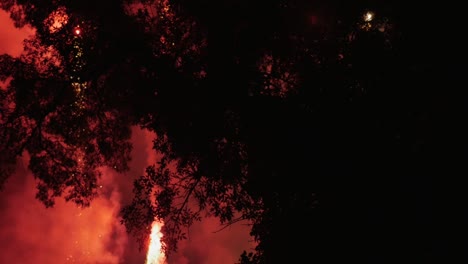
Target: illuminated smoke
62, 234
57, 19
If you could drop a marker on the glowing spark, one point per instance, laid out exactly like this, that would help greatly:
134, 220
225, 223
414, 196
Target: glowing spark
77, 31
155, 254
368, 16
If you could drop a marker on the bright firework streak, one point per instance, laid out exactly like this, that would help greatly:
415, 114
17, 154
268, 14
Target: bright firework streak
155, 254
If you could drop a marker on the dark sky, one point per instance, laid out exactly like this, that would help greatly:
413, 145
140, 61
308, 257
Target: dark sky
67, 234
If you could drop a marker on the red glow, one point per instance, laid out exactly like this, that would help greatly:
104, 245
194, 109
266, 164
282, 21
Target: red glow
57, 19
11, 37
313, 19
53, 235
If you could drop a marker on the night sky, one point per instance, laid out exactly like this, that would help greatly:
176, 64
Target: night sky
67, 234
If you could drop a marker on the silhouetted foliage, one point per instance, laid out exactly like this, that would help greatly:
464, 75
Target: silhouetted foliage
306, 119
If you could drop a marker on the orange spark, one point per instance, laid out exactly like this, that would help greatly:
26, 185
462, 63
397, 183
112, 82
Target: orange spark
155, 254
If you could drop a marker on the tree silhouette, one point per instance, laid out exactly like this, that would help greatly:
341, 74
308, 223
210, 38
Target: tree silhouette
294, 116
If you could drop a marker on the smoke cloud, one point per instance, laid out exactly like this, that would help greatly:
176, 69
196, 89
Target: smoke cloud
63, 234
11, 38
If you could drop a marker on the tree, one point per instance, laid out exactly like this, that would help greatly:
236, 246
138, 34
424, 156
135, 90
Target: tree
281, 116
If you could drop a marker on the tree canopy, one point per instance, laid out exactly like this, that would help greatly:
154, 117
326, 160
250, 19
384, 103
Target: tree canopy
296, 116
